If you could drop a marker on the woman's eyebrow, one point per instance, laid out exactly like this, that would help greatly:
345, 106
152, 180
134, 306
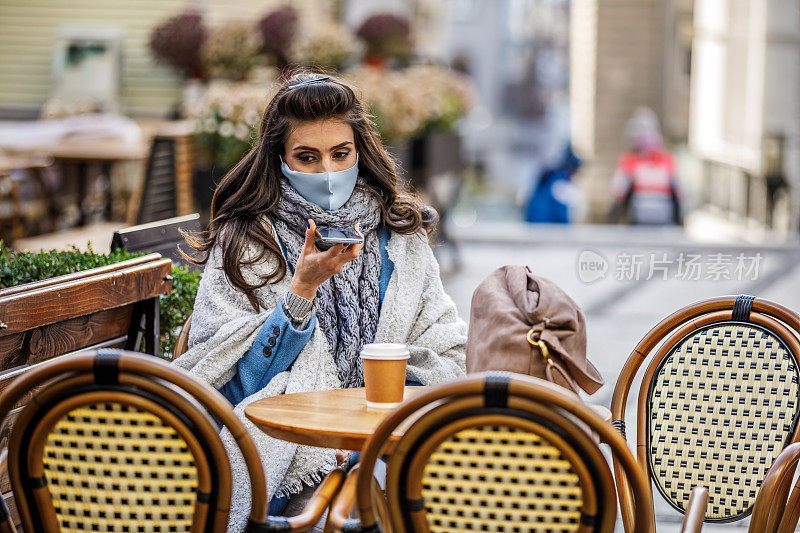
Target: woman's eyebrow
340, 145
312, 149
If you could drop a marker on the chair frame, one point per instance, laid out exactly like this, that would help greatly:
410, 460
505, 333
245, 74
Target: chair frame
776, 510
182, 342
489, 394
185, 403
665, 336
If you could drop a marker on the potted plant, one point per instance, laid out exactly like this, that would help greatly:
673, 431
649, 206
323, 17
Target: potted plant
232, 51
324, 44
178, 41
414, 105
227, 116
387, 36
278, 29
396, 102
18, 269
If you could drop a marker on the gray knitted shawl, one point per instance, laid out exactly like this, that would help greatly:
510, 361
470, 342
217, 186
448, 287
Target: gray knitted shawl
348, 303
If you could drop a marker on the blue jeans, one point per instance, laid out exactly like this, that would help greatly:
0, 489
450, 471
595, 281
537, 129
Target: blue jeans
277, 504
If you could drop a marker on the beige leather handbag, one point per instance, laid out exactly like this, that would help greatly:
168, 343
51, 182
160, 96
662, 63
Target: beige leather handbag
523, 323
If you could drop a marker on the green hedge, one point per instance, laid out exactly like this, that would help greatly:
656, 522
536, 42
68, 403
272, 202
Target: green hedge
25, 267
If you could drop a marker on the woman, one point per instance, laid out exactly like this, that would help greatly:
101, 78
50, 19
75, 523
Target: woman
275, 314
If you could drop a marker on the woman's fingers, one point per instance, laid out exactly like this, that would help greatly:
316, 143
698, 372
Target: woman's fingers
336, 249
330, 256
342, 456
352, 251
339, 254
311, 231
355, 249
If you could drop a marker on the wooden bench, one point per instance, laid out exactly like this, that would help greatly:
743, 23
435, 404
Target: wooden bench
111, 306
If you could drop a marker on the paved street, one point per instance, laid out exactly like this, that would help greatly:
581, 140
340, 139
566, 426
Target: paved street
620, 308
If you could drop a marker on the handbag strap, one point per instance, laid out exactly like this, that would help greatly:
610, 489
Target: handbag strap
552, 366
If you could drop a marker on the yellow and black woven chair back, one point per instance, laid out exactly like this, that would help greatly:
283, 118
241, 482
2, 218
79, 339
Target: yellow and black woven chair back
118, 441
719, 401
109, 464
499, 453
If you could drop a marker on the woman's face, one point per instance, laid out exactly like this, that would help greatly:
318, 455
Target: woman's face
325, 145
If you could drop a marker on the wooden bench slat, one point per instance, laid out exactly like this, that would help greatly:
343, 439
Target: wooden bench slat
5, 483
117, 342
121, 265
161, 236
75, 298
46, 342
6, 376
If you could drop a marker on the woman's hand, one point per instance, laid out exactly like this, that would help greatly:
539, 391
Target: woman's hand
342, 456
314, 267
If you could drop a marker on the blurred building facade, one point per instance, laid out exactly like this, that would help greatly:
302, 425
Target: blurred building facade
724, 78
722, 75
745, 102
625, 54
30, 31
517, 52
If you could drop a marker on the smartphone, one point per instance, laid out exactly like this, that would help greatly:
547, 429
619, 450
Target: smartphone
335, 236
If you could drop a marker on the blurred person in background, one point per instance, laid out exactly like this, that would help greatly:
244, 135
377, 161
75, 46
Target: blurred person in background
554, 198
644, 186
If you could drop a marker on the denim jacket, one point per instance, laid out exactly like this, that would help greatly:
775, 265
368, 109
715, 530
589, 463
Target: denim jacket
278, 343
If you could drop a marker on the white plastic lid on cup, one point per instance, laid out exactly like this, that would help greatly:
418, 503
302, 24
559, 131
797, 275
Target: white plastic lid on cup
385, 351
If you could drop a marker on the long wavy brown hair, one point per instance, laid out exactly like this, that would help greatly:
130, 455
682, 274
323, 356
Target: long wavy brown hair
252, 187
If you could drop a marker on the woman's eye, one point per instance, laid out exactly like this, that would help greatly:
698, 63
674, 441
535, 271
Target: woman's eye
341, 155
306, 158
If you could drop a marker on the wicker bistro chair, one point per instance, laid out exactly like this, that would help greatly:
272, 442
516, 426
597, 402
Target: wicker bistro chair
776, 509
120, 441
717, 404
182, 342
492, 452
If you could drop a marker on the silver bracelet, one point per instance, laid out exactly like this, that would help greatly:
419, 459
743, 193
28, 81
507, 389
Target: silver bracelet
297, 307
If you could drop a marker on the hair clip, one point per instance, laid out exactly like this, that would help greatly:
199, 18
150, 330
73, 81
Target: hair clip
309, 82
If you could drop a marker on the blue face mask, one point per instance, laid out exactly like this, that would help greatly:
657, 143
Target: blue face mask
329, 190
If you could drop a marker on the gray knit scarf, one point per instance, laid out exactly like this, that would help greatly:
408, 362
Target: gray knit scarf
348, 303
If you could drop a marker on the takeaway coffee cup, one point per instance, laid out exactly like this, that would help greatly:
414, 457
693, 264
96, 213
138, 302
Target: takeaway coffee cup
384, 373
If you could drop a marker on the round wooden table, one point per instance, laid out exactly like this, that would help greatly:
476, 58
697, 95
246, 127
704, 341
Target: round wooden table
331, 419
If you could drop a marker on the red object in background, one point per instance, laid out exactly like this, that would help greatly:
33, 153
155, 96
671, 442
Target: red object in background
645, 183
653, 171
375, 61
